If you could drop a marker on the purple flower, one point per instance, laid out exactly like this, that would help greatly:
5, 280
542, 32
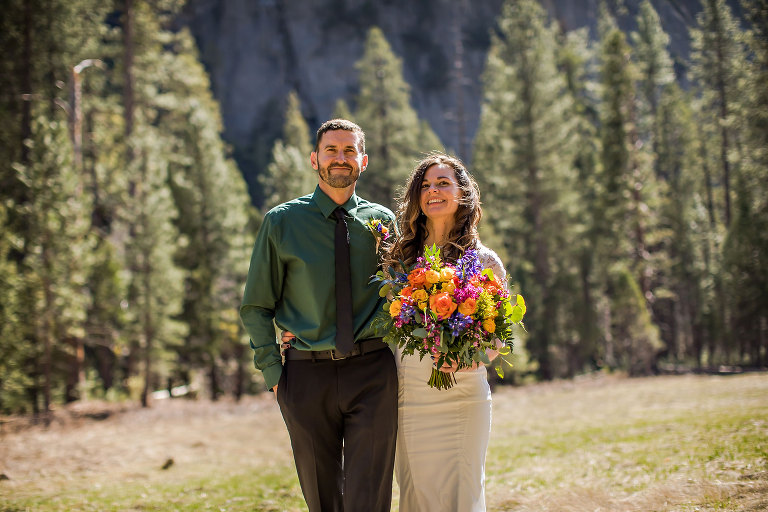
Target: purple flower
468, 265
458, 323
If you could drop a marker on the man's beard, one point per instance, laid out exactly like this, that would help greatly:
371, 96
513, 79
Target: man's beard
339, 181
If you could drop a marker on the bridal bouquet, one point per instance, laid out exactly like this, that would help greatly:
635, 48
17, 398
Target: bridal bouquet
454, 312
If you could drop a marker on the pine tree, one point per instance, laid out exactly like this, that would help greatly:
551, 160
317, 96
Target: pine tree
15, 381
211, 197
745, 250
341, 110
718, 70
55, 270
42, 44
717, 60
575, 58
623, 222
155, 282
660, 118
655, 71
524, 152
683, 273
395, 139
289, 174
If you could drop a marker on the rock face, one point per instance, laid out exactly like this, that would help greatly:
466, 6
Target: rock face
256, 51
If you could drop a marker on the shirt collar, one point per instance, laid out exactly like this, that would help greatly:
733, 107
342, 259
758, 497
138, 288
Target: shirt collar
327, 205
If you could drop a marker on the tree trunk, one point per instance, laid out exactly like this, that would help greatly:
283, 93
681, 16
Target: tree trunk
724, 143
26, 83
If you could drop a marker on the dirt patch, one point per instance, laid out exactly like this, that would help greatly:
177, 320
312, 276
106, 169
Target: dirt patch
106, 441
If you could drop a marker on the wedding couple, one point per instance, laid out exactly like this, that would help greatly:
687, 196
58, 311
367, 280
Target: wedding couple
353, 409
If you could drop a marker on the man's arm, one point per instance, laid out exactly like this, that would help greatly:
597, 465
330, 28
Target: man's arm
262, 292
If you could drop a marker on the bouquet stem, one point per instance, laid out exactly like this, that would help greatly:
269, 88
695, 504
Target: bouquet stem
441, 380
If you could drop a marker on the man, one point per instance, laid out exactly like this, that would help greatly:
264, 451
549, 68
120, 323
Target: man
334, 395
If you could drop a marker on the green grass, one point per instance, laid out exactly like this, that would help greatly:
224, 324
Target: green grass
659, 444
616, 444
272, 490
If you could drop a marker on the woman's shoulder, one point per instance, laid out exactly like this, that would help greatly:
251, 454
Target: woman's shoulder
488, 257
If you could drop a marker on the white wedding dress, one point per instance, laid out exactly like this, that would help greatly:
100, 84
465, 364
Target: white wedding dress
443, 434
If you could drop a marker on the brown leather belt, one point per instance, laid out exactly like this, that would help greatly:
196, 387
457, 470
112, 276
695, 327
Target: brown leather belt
360, 348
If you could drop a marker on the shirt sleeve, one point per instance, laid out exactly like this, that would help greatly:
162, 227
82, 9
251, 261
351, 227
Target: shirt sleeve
263, 289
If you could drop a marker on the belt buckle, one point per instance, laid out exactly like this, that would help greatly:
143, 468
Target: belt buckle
333, 356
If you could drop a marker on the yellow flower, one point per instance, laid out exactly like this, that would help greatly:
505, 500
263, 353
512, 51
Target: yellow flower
448, 287
421, 296
489, 325
447, 274
394, 308
432, 276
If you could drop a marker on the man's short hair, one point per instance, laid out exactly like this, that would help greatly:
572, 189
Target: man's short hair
340, 124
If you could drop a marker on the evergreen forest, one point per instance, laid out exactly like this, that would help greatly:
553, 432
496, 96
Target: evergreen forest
631, 211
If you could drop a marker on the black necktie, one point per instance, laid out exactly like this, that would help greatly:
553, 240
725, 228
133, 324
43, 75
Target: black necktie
344, 329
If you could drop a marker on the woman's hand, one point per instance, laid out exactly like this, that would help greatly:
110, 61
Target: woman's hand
285, 343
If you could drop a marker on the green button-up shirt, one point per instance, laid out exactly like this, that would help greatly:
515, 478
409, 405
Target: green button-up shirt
291, 278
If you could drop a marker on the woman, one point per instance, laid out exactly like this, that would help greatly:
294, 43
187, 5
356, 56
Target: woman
442, 434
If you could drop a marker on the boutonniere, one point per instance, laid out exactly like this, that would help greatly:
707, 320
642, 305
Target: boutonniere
379, 230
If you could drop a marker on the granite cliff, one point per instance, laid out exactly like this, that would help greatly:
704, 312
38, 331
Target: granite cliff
258, 50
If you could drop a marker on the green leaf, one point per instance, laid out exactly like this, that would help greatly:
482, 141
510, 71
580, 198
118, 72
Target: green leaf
500, 372
517, 314
521, 303
420, 332
487, 272
484, 357
384, 290
504, 350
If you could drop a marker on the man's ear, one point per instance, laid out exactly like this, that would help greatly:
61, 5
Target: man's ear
313, 160
364, 165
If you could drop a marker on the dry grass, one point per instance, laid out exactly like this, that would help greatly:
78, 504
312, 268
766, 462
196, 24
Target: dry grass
596, 444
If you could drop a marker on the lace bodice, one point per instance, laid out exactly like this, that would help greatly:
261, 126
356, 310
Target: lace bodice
489, 259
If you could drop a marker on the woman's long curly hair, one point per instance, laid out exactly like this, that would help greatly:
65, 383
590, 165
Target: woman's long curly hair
412, 222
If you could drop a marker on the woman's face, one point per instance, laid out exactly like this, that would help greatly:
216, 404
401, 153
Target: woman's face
440, 192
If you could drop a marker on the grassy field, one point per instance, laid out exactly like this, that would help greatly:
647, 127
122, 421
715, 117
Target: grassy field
683, 443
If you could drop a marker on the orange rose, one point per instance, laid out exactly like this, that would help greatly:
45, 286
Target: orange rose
489, 325
432, 276
394, 308
468, 307
417, 277
420, 296
406, 292
493, 286
448, 287
442, 304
